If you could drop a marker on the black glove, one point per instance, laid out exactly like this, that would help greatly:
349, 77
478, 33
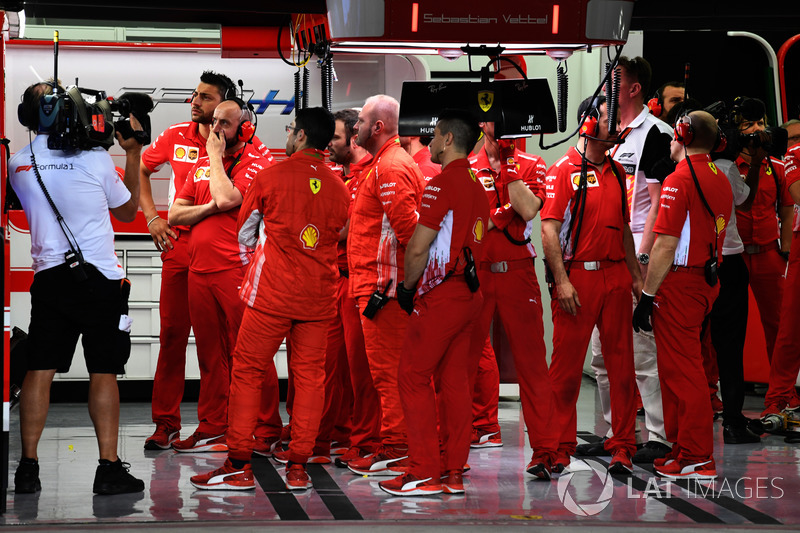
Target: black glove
405, 298
643, 313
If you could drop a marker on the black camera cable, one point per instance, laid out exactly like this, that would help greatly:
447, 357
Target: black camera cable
74, 248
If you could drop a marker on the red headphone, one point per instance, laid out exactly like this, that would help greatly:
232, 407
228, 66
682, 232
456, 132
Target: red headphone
590, 126
246, 131
721, 143
684, 133
654, 105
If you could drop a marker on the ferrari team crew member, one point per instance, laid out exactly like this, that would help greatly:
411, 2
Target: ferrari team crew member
209, 202
766, 237
292, 215
352, 408
452, 223
181, 146
645, 149
595, 271
679, 291
785, 363
514, 185
384, 216
417, 147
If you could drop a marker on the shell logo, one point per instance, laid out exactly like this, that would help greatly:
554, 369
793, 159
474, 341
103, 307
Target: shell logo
180, 152
591, 179
198, 174
310, 237
478, 230
720, 223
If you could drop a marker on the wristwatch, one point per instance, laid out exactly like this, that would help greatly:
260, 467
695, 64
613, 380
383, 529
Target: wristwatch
643, 258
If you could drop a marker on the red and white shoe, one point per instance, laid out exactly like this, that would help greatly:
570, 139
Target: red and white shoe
266, 446
296, 477
226, 478
162, 438
201, 442
621, 463
485, 439
410, 485
339, 448
453, 482
683, 469
387, 461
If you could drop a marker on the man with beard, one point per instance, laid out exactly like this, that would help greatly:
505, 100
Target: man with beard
209, 202
383, 219
181, 146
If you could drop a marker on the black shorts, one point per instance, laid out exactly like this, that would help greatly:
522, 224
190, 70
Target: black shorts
63, 308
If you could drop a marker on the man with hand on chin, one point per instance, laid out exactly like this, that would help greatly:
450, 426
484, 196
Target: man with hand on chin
209, 202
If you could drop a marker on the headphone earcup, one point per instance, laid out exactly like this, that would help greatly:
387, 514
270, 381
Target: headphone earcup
721, 144
654, 105
25, 119
246, 131
589, 127
684, 133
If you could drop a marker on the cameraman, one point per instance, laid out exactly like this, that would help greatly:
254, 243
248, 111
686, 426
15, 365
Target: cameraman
84, 187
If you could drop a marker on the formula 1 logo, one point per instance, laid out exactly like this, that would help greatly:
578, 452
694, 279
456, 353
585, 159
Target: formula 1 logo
24, 168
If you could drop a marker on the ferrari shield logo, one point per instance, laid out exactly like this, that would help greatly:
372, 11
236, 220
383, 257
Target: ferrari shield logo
315, 185
485, 100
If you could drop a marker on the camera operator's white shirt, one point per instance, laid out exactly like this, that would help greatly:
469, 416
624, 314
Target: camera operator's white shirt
83, 184
733, 242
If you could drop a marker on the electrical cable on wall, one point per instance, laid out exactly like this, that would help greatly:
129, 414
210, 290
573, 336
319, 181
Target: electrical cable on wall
563, 85
613, 99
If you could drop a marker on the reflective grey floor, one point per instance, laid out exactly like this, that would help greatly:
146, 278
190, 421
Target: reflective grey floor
758, 487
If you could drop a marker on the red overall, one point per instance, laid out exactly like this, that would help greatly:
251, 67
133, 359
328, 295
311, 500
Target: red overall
180, 145
785, 363
759, 230
216, 268
598, 271
440, 329
295, 210
510, 288
685, 298
383, 219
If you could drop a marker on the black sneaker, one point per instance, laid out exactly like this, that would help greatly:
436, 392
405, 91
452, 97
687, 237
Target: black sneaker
26, 478
651, 451
113, 478
592, 448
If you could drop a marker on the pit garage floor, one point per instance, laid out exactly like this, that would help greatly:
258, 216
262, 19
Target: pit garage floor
758, 488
